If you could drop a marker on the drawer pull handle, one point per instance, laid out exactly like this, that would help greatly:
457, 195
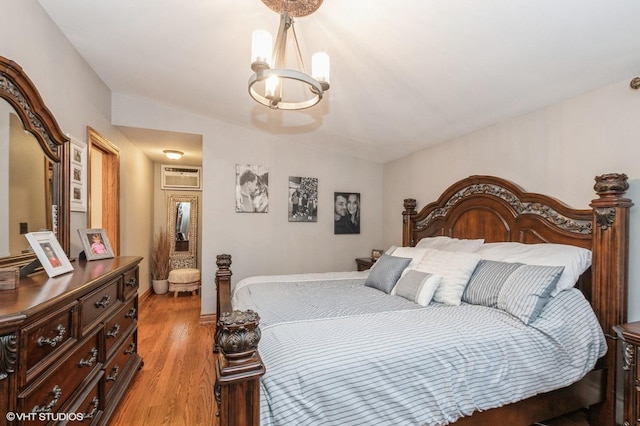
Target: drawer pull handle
112, 378
96, 403
52, 342
89, 362
104, 302
131, 282
114, 331
131, 313
132, 349
57, 393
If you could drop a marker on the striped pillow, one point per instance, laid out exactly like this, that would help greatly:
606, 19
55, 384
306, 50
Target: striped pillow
519, 289
417, 286
486, 282
527, 291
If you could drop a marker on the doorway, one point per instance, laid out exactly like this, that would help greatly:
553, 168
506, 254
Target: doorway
103, 193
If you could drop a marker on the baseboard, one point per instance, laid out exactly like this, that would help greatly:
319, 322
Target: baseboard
144, 295
208, 319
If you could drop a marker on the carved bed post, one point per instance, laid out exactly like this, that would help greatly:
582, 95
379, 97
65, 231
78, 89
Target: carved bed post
238, 369
223, 284
407, 224
610, 274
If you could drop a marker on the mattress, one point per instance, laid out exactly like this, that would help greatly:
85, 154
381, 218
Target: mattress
340, 353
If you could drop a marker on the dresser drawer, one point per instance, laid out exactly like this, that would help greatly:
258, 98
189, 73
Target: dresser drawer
97, 305
90, 404
130, 283
118, 326
47, 339
56, 386
116, 367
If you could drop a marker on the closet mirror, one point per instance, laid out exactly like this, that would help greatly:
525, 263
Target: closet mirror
183, 230
34, 170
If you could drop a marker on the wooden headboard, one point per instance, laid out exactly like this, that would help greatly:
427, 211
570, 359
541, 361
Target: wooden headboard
498, 210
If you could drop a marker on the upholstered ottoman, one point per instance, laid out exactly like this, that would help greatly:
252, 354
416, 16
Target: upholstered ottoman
184, 280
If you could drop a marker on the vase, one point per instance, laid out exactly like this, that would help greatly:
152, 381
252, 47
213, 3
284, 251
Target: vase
160, 286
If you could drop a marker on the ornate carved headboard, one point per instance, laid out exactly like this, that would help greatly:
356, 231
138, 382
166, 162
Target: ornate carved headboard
498, 210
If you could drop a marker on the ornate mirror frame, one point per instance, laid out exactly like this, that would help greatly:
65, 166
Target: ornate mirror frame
183, 258
17, 89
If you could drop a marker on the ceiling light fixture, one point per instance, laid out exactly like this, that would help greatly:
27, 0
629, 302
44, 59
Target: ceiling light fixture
173, 154
271, 75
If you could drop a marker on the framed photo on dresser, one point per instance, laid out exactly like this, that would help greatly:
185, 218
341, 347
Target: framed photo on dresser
95, 243
49, 253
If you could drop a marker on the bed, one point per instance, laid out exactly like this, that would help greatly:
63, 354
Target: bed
364, 357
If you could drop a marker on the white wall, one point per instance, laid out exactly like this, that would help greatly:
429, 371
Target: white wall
266, 243
556, 151
78, 98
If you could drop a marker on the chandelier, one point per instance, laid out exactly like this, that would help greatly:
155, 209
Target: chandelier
272, 83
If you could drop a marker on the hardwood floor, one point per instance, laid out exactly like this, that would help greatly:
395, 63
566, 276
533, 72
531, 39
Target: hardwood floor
175, 386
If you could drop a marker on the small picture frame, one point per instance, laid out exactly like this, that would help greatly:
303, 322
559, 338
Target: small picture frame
49, 252
376, 253
95, 243
78, 175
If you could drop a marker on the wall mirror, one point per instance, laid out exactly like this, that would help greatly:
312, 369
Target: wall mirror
182, 227
34, 176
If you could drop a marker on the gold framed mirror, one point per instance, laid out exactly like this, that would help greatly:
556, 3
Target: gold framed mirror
182, 227
41, 129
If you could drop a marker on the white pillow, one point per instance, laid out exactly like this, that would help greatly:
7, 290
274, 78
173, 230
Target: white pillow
417, 286
455, 268
575, 260
450, 244
415, 253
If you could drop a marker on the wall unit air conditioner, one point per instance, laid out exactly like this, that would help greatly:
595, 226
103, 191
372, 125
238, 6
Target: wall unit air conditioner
185, 178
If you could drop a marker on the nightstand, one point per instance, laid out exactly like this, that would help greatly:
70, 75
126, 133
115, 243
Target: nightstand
365, 263
630, 335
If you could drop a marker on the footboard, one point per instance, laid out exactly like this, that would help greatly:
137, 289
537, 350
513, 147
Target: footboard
238, 364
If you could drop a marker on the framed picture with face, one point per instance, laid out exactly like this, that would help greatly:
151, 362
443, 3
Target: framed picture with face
346, 212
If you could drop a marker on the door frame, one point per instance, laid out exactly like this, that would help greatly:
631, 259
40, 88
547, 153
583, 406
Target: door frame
110, 186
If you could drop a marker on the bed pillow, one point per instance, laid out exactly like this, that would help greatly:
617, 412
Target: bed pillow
386, 273
527, 291
415, 253
487, 281
450, 244
455, 268
417, 286
575, 260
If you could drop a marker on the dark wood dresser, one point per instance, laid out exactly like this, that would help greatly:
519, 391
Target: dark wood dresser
630, 336
68, 345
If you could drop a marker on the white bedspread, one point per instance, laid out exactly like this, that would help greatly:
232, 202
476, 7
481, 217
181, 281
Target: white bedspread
361, 357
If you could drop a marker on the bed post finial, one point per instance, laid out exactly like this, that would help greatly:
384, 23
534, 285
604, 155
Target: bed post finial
223, 287
407, 221
610, 257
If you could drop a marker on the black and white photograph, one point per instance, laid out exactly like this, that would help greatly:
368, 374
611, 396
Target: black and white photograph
252, 189
346, 212
303, 199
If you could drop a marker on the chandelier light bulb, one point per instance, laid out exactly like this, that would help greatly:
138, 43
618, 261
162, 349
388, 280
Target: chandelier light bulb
261, 47
320, 69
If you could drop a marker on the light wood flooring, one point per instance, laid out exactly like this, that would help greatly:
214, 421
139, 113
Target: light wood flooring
175, 385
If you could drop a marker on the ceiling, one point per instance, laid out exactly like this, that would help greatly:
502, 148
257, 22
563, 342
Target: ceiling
404, 74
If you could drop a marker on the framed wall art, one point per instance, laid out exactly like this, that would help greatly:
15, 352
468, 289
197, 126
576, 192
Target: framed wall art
303, 199
95, 243
49, 253
252, 189
346, 213
78, 175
